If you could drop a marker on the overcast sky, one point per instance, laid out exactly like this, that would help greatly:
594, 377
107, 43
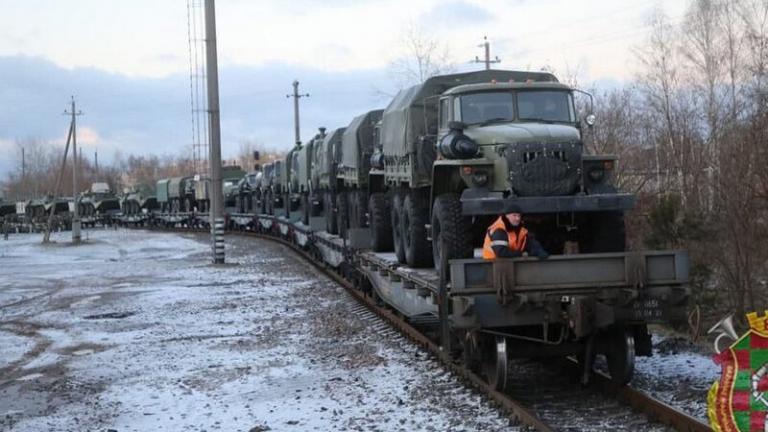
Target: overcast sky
127, 63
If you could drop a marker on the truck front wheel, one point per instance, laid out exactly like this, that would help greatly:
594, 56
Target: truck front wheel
414, 231
451, 231
381, 230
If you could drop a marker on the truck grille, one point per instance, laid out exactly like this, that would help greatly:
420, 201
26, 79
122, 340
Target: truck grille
549, 169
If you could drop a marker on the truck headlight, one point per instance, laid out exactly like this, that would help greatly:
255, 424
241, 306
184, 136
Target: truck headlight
480, 178
596, 175
457, 146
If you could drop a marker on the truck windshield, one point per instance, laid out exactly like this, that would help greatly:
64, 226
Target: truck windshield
486, 106
544, 105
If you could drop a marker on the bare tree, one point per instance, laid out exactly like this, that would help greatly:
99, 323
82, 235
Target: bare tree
422, 56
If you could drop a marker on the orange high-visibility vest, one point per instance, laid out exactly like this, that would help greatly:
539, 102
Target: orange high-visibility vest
515, 241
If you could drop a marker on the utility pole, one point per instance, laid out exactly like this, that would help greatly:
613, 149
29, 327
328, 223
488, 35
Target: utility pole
23, 173
217, 202
75, 190
96, 161
296, 96
487, 60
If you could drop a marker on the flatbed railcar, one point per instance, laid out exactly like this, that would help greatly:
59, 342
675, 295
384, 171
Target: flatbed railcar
491, 311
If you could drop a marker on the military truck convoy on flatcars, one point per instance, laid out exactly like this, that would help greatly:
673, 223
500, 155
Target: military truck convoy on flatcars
417, 184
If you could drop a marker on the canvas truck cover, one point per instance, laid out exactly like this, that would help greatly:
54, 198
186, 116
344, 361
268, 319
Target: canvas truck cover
357, 147
162, 190
327, 156
413, 112
177, 186
232, 172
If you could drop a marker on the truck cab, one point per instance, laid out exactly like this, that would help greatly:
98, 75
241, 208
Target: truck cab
518, 147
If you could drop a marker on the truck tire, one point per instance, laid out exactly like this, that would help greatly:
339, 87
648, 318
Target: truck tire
415, 216
360, 218
381, 230
269, 206
397, 229
330, 215
342, 213
305, 209
451, 229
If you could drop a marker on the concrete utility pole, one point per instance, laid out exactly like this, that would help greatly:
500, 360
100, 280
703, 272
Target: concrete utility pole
23, 173
487, 60
296, 97
75, 166
217, 201
96, 161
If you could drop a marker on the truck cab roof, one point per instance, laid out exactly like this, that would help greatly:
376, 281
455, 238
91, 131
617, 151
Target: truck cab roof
491, 86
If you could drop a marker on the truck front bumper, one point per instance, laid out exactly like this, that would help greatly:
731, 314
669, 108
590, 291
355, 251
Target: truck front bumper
478, 202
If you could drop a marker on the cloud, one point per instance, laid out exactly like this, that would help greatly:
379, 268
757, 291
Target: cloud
455, 14
152, 115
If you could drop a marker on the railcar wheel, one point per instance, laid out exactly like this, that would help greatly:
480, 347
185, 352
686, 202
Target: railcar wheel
495, 363
470, 351
397, 229
449, 224
381, 228
620, 355
415, 216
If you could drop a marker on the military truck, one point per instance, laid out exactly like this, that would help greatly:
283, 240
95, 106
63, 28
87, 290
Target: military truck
353, 171
300, 178
201, 194
277, 187
249, 191
324, 185
460, 149
290, 179
181, 194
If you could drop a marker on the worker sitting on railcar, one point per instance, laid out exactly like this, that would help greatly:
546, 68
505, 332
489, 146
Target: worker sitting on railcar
507, 238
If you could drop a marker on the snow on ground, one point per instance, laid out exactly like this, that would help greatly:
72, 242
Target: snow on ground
136, 331
677, 376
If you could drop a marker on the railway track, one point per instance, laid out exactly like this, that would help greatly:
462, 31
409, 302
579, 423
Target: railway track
543, 397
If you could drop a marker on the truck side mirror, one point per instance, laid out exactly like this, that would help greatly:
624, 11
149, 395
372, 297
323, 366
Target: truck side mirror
590, 120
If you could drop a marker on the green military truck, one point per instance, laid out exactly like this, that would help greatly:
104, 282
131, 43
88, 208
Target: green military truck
460, 149
354, 169
327, 153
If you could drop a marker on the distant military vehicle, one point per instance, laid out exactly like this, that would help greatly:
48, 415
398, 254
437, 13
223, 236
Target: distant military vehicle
7, 208
276, 187
353, 171
98, 204
139, 199
460, 149
201, 195
249, 191
324, 184
300, 178
181, 194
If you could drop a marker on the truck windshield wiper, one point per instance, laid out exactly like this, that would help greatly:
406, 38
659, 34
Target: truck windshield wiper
539, 120
495, 120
